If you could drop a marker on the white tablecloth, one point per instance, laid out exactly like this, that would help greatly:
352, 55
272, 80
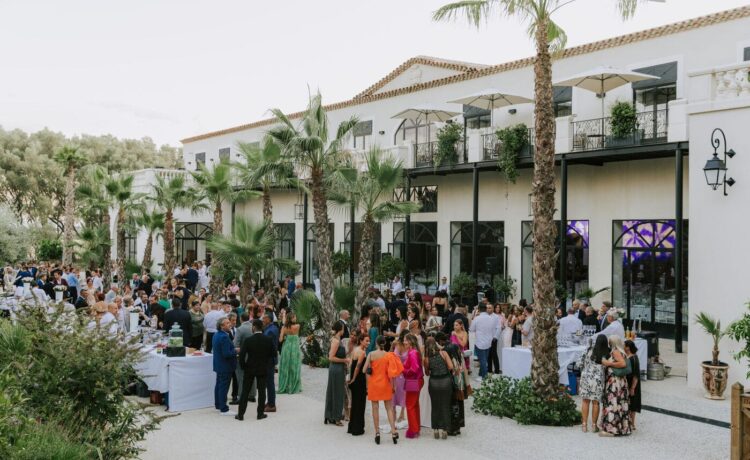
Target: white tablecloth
189, 380
517, 360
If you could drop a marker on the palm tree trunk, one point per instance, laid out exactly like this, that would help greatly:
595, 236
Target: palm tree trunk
217, 281
120, 262
322, 240
544, 365
247, 277
69, 218
147, 262
169, 255
107, 254
365, 264
268, 217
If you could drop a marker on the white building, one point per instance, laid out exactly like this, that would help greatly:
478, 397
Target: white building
621, 194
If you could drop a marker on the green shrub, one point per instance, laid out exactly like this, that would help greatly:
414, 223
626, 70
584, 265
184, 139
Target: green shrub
131, 266
312, 352
344, 297
388, 268
508, 397
50, 442
49, 250
72, 382
463, 285
623, 121
512, 140
447, 138
340, 263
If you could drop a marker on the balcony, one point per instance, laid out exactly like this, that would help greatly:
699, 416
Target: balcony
596, 134
426, 155
491, 146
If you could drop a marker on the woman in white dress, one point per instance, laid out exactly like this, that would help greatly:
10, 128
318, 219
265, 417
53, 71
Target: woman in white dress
510, 326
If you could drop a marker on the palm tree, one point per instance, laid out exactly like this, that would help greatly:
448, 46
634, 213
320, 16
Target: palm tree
549, 38
250, 247
265, 168
214, 186
371, 192
153, 223
96, 242
128, 203
312, 149
71, 160
170, 194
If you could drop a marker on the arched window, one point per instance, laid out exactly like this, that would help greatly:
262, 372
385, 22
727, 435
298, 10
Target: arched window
190, 241
491, 244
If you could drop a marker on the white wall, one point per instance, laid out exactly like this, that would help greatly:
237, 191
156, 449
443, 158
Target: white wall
719, 243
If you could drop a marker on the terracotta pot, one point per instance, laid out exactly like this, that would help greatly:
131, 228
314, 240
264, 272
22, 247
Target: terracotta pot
714, 379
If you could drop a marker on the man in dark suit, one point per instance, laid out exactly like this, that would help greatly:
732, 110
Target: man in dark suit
257, 355
225, 362
80, 301
271, 331
191, 277
458, 314
182, 317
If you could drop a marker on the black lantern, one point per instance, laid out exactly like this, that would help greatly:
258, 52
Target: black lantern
716, 168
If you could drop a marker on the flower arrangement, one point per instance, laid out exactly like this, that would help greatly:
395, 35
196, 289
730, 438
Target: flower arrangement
27, 279
59, 288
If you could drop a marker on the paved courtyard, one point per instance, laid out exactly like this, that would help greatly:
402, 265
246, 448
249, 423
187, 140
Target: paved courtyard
297, 431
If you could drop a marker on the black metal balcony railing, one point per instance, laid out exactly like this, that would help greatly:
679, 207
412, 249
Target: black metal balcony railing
426, 154
596, 134
491, 146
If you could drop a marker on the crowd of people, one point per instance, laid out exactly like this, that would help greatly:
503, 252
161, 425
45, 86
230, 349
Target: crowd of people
407, 350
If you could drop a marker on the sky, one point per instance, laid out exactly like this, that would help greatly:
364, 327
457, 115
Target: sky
171, 69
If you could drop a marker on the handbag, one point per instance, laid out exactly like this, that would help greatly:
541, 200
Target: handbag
411, 385
459, 394
622, 371
469, 390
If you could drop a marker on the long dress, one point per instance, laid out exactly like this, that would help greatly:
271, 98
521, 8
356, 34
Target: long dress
508, 335
399, 395
335, 391
616, 405
591, 386
359, 399
441, 393
635, 372
290, 366
425, 405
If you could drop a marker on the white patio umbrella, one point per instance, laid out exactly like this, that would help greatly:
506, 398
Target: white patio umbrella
603, 79
428, 113
491, 99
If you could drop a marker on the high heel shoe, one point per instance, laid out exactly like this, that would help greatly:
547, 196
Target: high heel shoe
377, 438
325, 421
585, 428
394, 436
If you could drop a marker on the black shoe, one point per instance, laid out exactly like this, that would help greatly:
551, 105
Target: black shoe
239, 417
252, 400
262, 416
394, 436
234, 402
377, 438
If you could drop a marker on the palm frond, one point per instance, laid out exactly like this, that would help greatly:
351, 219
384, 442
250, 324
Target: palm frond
475, 11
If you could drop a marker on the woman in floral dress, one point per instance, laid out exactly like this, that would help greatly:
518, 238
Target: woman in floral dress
616, 405
591, 387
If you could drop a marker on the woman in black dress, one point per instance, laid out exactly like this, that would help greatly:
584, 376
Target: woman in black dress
439, 366
357, 384
634, 381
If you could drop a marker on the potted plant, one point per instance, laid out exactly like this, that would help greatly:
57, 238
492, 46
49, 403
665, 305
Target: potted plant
514, 142
463, 286
714, 371
59, 290
589, 293
448, 138
505, 288
623, 125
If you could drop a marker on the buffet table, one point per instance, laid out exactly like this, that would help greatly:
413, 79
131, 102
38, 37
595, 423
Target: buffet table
517, 360
189, 380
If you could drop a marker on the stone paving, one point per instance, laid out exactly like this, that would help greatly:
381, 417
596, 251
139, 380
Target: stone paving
297, 430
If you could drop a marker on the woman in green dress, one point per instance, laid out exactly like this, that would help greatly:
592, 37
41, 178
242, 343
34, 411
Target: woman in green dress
290, 364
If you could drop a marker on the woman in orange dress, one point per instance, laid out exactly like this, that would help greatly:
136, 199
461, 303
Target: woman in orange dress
381, 368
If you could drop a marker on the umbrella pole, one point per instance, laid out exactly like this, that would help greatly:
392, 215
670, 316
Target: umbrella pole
602, 96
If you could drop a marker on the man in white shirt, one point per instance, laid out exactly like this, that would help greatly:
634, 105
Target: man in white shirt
493, 362
209, 323
444, 286
614, 326
484, 328
96, 281
109, 297
570, 324
396, 286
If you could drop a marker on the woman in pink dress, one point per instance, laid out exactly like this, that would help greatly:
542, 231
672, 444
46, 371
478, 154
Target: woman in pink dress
401, 350
460, 337
414, 375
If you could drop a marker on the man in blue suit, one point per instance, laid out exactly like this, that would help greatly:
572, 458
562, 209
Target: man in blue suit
271, 331
225, 363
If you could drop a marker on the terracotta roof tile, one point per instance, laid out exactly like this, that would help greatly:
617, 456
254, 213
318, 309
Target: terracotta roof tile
471, 71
